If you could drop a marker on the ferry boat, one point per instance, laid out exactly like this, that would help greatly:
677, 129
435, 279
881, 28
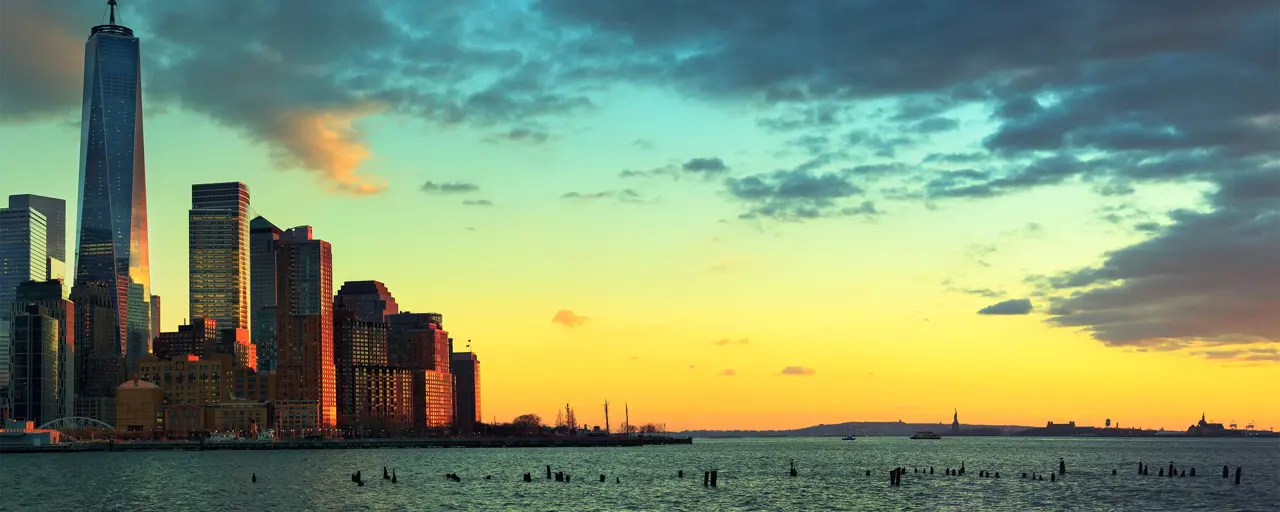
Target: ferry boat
222, 438
924, 434
266, 435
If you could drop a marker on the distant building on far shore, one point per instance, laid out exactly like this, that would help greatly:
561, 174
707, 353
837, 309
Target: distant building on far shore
1205, 428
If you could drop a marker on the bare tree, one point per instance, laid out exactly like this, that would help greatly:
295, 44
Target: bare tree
527, 424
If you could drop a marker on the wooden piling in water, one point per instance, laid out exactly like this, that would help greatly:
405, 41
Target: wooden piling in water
680, 473
1193, 471
1053, 477
255, 478
601, 477
1226, 472
548, 471
1062, 466
1237, 475
706, 478
714, 474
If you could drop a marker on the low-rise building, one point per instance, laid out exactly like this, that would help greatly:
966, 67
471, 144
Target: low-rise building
139, 410
24, 433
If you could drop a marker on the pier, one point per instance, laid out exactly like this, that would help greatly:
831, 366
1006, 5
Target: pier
351, 444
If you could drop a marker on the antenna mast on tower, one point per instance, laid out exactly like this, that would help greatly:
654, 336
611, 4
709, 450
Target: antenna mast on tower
606, 416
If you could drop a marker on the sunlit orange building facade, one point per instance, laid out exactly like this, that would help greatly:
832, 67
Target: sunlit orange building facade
306, 397
418, 341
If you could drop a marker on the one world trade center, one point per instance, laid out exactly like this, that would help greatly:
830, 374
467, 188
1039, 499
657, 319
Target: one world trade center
112, 223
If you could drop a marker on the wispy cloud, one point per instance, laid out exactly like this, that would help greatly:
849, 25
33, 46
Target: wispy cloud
798, 370
727, 342
477, 202
568, 318
728, 372
451, 187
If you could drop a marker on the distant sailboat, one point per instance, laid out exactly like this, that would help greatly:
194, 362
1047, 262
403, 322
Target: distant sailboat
848, 437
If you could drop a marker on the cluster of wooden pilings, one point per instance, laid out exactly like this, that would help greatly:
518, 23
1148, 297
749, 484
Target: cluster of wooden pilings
711, 478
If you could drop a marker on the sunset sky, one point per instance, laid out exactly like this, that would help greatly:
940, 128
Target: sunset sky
737, 213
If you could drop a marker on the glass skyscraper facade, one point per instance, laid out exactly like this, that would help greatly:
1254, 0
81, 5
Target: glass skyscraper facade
264, 244
22, 258
112, 222
218, 225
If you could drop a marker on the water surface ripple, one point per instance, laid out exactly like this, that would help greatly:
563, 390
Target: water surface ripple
752, 477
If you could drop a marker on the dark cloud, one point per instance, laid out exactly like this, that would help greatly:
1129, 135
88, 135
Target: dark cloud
707, 166
955, 158
477, 202
1207, 278
798, 370
523, 134
794, 194
259, 68
1008, 307
935, 125
451, 187
41, 59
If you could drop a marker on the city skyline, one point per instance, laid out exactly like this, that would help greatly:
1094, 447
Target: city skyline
728, 246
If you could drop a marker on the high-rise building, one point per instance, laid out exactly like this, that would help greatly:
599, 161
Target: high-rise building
55, 213
417, 341
306, 402
264, 243
373, 398
155, 318
465, 367
112, 221
370, 301
33, 389
49, 297
99, 367
23, 258
218, 225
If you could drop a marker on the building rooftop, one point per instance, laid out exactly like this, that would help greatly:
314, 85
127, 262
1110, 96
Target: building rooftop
138, 384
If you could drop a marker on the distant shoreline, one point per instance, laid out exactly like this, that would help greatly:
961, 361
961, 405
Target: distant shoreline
351, 444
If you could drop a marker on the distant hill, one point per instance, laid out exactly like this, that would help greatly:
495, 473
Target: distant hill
862, 428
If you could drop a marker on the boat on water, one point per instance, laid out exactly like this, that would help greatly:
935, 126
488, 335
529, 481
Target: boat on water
924, 434
848, 437
266, 435
223, 438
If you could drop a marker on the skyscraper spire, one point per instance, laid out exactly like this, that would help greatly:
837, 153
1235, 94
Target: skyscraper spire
112, 4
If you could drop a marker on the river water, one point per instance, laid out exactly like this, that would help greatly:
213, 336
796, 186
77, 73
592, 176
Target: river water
752, 476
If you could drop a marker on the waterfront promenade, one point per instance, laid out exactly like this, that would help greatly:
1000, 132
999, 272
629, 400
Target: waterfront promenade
350, 444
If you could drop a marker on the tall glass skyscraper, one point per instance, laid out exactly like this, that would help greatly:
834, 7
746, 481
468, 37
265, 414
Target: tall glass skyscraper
218, 225
112, 222
22, 259
264, 245
55, 214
